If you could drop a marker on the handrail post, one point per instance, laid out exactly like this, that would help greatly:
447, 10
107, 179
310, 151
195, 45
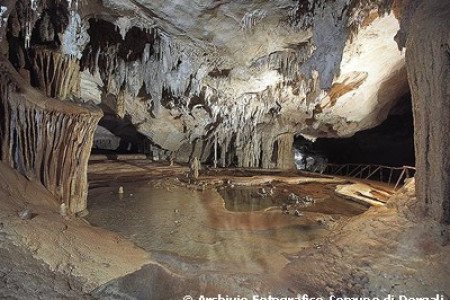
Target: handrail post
399, 179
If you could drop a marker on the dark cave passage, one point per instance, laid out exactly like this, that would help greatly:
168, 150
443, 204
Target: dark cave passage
115, 135
119, 136
389, 144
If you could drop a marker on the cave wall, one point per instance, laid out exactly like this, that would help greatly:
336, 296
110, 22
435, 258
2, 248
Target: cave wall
428, 64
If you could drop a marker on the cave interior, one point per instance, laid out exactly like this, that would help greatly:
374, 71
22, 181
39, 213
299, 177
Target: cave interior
225, 149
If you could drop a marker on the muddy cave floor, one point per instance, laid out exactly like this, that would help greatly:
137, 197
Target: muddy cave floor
164, 238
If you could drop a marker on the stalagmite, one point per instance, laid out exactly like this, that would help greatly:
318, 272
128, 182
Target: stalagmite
195, 167
215, 151
285, 155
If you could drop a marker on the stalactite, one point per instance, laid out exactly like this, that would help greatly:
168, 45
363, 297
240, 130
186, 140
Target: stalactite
163, 65
166, 69
57, 74
250, 19
75, 37
46, 139
3, 19
156, 84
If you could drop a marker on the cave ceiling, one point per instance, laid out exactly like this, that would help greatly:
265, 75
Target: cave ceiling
241, 72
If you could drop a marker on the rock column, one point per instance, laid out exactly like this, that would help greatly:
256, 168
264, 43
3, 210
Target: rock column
45, 139
428, 65
285, 158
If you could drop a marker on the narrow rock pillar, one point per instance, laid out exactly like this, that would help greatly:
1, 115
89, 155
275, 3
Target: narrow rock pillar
285, 151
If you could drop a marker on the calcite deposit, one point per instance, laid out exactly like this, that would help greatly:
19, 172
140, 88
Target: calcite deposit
46, 139
232, 85
239, 74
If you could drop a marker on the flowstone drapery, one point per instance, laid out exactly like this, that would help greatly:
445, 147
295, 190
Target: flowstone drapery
46, 139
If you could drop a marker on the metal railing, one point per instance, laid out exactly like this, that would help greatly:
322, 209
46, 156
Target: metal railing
372, 172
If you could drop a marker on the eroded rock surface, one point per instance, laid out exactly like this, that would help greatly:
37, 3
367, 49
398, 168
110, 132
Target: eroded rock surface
241, 74
55, 246
387, 250
32, 279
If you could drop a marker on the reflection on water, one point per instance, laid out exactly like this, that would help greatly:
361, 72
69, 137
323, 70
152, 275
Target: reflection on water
248, 198
190, 231
262, 198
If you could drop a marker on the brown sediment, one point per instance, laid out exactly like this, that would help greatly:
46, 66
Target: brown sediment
175, 220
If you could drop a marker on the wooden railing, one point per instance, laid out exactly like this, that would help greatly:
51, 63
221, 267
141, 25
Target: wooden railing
386, 174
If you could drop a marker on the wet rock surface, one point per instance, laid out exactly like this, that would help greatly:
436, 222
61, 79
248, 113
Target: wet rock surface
187, 230
390, 249
194, 227
386, 250
312, 197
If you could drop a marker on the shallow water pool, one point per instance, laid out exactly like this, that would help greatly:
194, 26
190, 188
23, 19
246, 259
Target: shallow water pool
200, 231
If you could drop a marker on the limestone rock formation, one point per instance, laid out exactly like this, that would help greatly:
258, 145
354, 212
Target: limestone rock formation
428, 57
45, 139
190, 74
